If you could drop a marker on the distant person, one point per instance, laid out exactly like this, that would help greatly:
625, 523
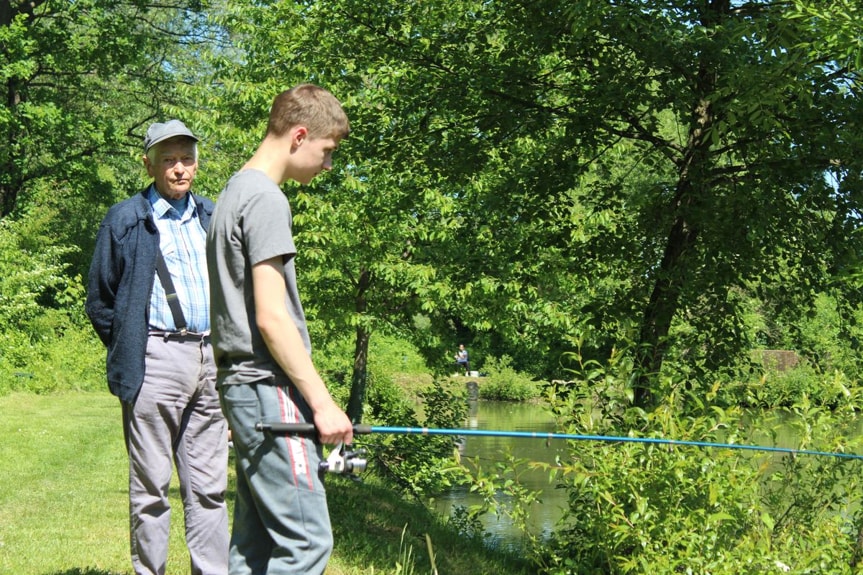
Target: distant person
156, 326
262, 345
462, 359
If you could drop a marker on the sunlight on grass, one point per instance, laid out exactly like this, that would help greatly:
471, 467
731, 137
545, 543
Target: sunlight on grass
64, 498
64, 504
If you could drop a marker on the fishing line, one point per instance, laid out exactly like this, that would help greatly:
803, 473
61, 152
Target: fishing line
309, 429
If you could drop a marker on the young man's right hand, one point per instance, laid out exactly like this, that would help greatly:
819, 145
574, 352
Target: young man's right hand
333, 425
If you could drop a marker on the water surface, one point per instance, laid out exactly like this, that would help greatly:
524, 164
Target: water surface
509, 416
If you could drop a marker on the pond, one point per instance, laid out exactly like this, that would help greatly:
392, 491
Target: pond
508, 416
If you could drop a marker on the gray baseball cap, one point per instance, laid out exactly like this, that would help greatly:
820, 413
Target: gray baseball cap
159, 132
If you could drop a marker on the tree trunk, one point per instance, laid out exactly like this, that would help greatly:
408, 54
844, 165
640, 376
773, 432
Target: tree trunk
661, 309
359, 378
690, 197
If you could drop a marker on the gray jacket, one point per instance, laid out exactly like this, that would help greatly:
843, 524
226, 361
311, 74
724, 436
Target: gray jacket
120, 284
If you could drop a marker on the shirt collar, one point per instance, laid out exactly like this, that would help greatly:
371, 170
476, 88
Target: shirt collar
163, 209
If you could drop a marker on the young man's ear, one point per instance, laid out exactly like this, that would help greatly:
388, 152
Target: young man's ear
300, 134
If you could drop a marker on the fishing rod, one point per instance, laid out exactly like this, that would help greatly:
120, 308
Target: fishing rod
309, 429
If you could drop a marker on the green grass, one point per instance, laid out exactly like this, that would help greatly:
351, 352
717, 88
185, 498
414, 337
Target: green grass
63, 504
63, 498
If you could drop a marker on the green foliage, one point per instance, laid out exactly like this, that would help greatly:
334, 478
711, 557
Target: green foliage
503, 494
46, 344
646, 190
823, 335
468, 522
80, 80
31, 272
651, 509
785, 388
607, 149
391, 360
392, 355
397, 396
518, 172
598, 386
418, 464
645, 508
821, 344
502, 382
67, 356
511, 182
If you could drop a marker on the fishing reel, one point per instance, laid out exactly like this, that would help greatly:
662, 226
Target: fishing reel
341, 460
345, 462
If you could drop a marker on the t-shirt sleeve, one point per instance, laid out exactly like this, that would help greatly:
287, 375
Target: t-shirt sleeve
266, 224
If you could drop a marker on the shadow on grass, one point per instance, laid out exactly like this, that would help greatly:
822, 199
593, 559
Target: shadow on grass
376, 531
373, 526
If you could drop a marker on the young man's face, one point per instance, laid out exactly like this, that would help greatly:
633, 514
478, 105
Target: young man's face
314, 156
173, 167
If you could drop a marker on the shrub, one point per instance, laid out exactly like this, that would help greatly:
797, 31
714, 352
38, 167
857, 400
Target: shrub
420, 464
73, 361
502, 382
69, 357
639, 508
46, 342
783, 389
416, 464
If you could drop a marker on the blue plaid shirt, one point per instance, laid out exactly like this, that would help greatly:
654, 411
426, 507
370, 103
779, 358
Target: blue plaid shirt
183, 243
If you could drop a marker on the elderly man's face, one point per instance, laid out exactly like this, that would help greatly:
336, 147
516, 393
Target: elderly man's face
173, 167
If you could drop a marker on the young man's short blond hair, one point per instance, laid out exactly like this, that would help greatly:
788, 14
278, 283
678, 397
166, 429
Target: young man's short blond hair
310, 106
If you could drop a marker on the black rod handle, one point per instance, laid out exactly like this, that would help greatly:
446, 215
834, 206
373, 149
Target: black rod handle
301, 428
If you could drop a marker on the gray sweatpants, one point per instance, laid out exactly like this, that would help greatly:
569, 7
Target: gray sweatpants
177, 417
281, 521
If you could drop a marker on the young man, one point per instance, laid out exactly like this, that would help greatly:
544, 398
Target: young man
160, 363
262, 347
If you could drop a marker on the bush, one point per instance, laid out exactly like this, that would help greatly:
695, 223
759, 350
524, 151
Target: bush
638, 508
783, 389
503, 383
66, 358
415, 464
46, 342
419, 464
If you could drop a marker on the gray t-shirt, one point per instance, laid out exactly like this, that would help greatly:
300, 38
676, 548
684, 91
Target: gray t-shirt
251, 223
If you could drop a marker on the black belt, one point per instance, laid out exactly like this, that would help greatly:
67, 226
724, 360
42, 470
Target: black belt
181, 335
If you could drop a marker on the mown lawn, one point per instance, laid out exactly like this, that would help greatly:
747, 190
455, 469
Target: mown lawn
63, 504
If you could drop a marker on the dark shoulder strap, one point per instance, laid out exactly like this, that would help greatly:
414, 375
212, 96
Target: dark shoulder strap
170, 292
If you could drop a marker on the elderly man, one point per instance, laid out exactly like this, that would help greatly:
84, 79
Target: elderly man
148, 299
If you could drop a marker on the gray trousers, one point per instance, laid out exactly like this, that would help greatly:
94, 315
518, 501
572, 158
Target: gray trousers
176, 419
281, 520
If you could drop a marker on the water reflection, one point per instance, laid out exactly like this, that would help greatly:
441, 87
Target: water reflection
776, 429
508, 416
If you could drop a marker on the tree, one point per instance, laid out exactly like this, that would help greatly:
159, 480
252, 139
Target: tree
729, 115
361, 229
80, 81
756, 107
537, 172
